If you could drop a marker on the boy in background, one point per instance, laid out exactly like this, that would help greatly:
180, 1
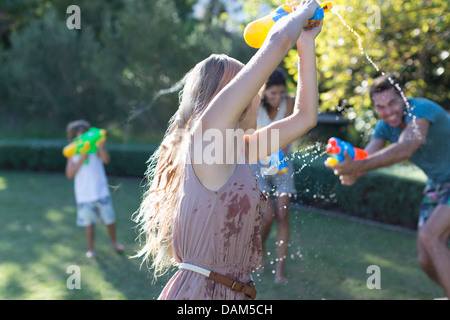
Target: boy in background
91, 189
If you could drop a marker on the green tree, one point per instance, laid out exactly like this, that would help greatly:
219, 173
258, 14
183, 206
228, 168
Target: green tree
409, 39
48, 72
17, 14
151, 52
126, 53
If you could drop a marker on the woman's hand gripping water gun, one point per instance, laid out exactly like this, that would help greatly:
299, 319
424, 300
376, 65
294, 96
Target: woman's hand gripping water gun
256, 32
86, 143
276, 159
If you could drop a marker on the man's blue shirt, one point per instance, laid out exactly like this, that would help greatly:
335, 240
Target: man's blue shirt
433, 157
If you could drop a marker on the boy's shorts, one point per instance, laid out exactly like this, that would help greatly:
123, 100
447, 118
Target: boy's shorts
434, 194
89, 212
272, 183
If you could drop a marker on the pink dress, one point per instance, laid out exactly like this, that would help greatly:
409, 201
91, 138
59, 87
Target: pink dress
218, 231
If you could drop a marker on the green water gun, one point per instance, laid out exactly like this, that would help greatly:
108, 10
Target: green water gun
86, 143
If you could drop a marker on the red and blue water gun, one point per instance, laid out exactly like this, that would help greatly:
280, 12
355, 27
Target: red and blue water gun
335, 150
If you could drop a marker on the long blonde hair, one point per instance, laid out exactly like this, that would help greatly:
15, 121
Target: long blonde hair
165, 172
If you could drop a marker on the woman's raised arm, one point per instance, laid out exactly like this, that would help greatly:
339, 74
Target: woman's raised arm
227, 107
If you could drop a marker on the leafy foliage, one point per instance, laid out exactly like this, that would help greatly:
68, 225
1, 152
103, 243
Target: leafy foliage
46, 155
409, 39
128, 51
125, 54
390, 195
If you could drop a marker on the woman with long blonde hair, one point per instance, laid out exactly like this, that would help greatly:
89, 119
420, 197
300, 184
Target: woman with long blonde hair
201, 210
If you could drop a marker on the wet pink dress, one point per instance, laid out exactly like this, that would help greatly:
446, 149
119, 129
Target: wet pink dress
218, 231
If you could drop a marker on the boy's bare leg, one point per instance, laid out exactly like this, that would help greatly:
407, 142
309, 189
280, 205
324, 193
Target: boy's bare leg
112, 235
90, 235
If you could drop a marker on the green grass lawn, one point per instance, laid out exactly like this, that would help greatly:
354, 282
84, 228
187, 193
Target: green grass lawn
328, 256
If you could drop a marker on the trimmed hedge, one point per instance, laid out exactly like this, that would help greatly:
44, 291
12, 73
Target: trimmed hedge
392, 195
126, 160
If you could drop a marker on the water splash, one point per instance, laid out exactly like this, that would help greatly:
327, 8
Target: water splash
312, 153
137, 112
408, 110
335, 11
308, 155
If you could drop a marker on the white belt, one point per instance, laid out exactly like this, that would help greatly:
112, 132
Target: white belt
234, 285
200, 270
191, 267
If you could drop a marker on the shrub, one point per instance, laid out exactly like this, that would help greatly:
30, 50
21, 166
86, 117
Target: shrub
391, 195
47, 155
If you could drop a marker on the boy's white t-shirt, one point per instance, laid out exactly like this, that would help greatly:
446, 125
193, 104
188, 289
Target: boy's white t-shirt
90, 180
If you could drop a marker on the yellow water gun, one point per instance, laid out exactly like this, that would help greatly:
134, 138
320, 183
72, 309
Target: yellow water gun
256, 32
